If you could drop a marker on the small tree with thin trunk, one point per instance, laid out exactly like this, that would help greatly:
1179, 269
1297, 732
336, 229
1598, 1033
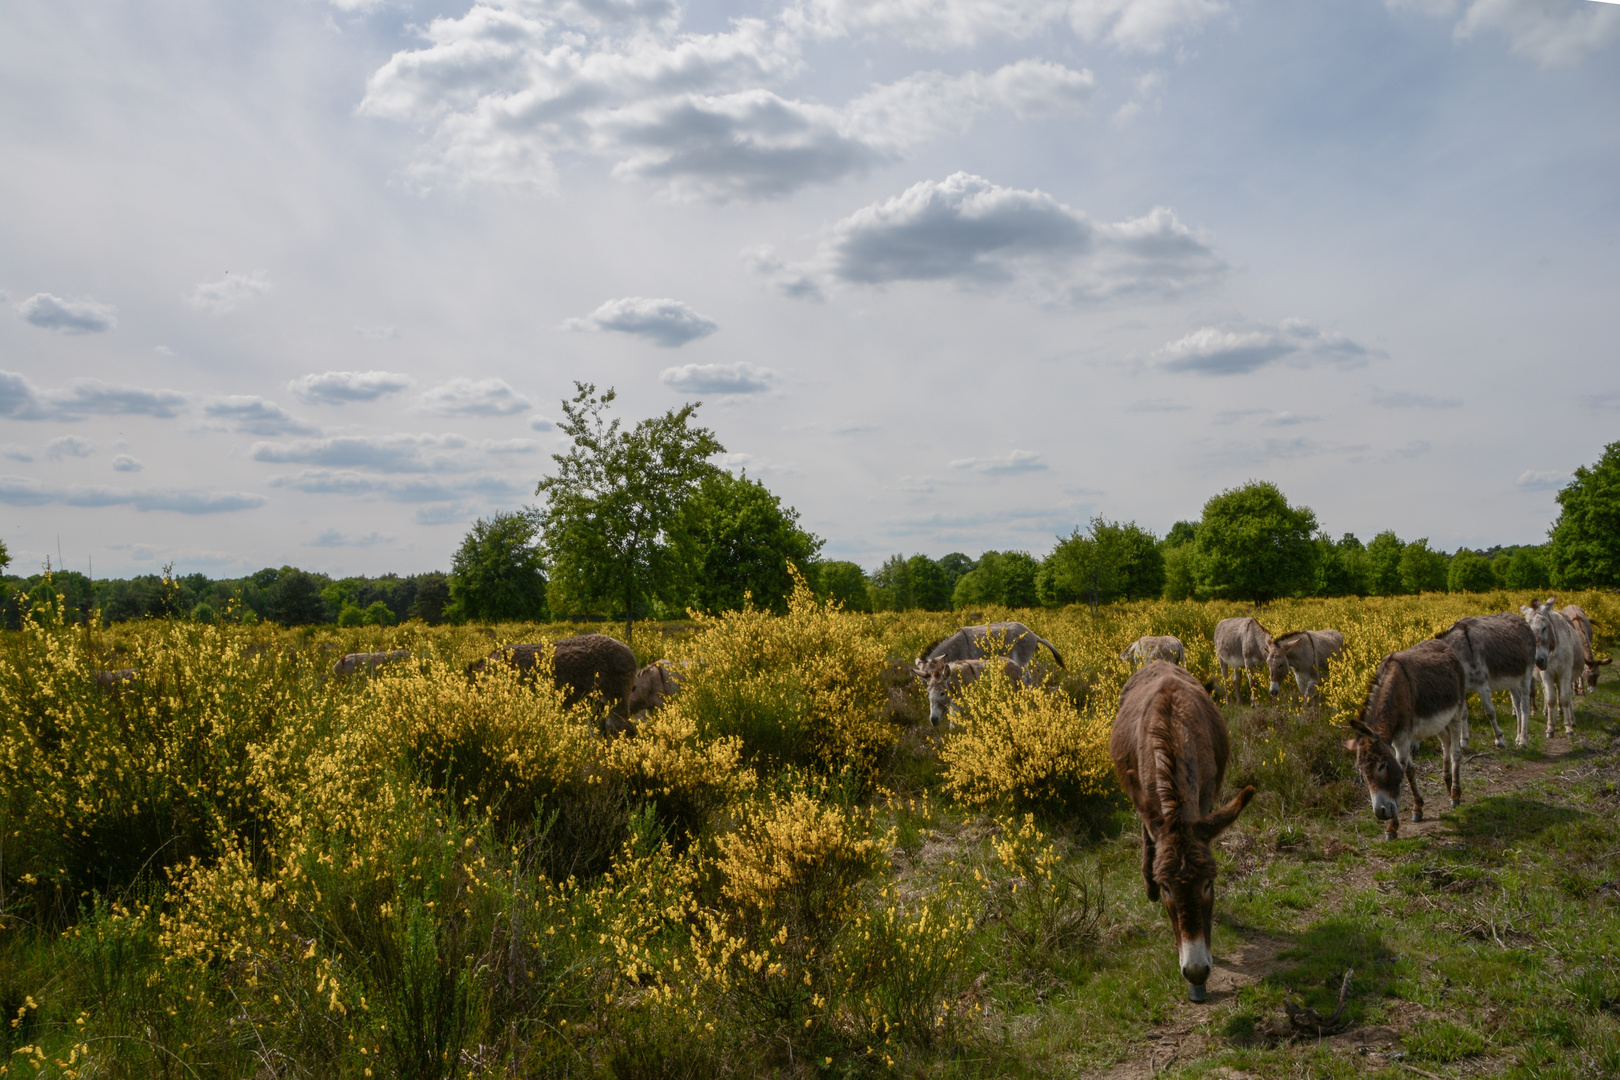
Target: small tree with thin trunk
607, 528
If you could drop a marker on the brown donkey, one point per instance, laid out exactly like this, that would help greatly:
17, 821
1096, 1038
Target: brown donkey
1170, 747
1416, 693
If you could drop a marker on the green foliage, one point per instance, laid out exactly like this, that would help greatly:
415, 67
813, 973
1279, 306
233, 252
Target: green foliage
955, 565
295, 599
930, 585
892, 589
432, 597
740, 540
616, 500
1422, 570
1253, 545
1007, 578
1384, 564
1182, 532
379, 614
1469, 573
497, 573
1585, 540
1109, 562
1342, 569
350, 616
1180, 571
1526, 569
844, 582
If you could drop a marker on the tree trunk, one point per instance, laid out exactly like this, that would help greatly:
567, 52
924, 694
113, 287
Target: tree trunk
629, 589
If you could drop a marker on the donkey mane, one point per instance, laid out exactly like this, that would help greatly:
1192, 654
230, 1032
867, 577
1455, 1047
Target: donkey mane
1178, 856
931, 646
1372, 692
1281, 638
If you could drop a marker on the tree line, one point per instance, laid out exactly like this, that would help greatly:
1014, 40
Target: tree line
639, 523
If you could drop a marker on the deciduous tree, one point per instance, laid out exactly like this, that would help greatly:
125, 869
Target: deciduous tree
498, 575
741, 539
1253, 545
1584, 551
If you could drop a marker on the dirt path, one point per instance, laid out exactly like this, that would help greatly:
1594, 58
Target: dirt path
1181, 1040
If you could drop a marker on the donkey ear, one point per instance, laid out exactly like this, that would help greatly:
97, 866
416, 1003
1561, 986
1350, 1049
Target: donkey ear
1350, 744
1222, 819
1606, 660
1364, 729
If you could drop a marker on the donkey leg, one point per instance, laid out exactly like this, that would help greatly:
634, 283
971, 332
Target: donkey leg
1454, 757
1147, 864
1489, 706
1417, 796
1521, 712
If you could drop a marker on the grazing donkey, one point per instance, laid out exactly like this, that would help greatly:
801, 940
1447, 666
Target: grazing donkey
1013, 639
1241, 643
1305, 653
1557, 637
948, 678
1497, 652
582, 666
1589, 677
1143, 649
1170, 748
652, 686
368, 662
1416, 693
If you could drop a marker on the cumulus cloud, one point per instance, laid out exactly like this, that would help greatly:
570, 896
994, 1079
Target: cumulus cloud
69, 446
1405, 399
510, 446
1552, 33
258, 416
1541, 480
342, 387
669, 323
503, 89
1131, 26
125, 463
331, 538
473, 397
1018, 461
738, 378
400, 453
229, 292
795, 283
21, 400
970, 231
19, 491
1238, 350
541, 423
408, 490
14, 452
68, 316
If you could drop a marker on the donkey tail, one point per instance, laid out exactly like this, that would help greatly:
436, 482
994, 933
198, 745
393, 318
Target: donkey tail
1055, 655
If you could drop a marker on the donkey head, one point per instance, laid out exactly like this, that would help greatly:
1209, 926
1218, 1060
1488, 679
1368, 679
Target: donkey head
1184, 872
1380, 768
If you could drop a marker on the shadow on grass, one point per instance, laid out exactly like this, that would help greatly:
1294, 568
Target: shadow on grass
1323, 954
1500, 821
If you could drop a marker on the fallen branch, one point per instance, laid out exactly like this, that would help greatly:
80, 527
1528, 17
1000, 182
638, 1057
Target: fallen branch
1420, 1072
1311, 1021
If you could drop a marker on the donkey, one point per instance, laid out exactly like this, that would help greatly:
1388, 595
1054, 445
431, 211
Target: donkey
356, 663
1497, 652
1416, 693
583, 666
1305, 653
1589, 677
1241, 643
1144, 649
948, 678
1557, 636
1170, 747
1013, 639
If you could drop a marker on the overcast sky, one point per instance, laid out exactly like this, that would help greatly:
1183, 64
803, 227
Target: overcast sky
304, 282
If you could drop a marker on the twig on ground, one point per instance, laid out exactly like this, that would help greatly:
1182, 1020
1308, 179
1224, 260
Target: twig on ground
1314, 1022
1417, 1070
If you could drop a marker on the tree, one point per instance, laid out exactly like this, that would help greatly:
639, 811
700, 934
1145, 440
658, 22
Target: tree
1422, 570
295, 598
1018, 570
930, 585
846, 583
1384, 564
1136, 553
741, 539
1253, 545
955, 565
1584, 551
1180, 572
891, 586
1526, 569
498, 575
617, 498
1182, 532
1469, 573
1086, 566
432, 597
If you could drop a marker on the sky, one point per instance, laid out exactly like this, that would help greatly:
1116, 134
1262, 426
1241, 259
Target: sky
306, 282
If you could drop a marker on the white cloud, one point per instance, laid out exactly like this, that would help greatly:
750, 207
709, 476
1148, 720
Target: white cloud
341, 387
444, 514
796, 283
669, 323
68, 316
258, 416
970, 231
1214, 350
1140, 26
69, 446
738, 378
541, 423
1018, 461
229, 292
470, 397
125, 463
19, 491
503, 89
14, 452
20, 400
1541, 480
422, 489
401, 453
333, 538
509, 446
1553, 33
1405, 399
